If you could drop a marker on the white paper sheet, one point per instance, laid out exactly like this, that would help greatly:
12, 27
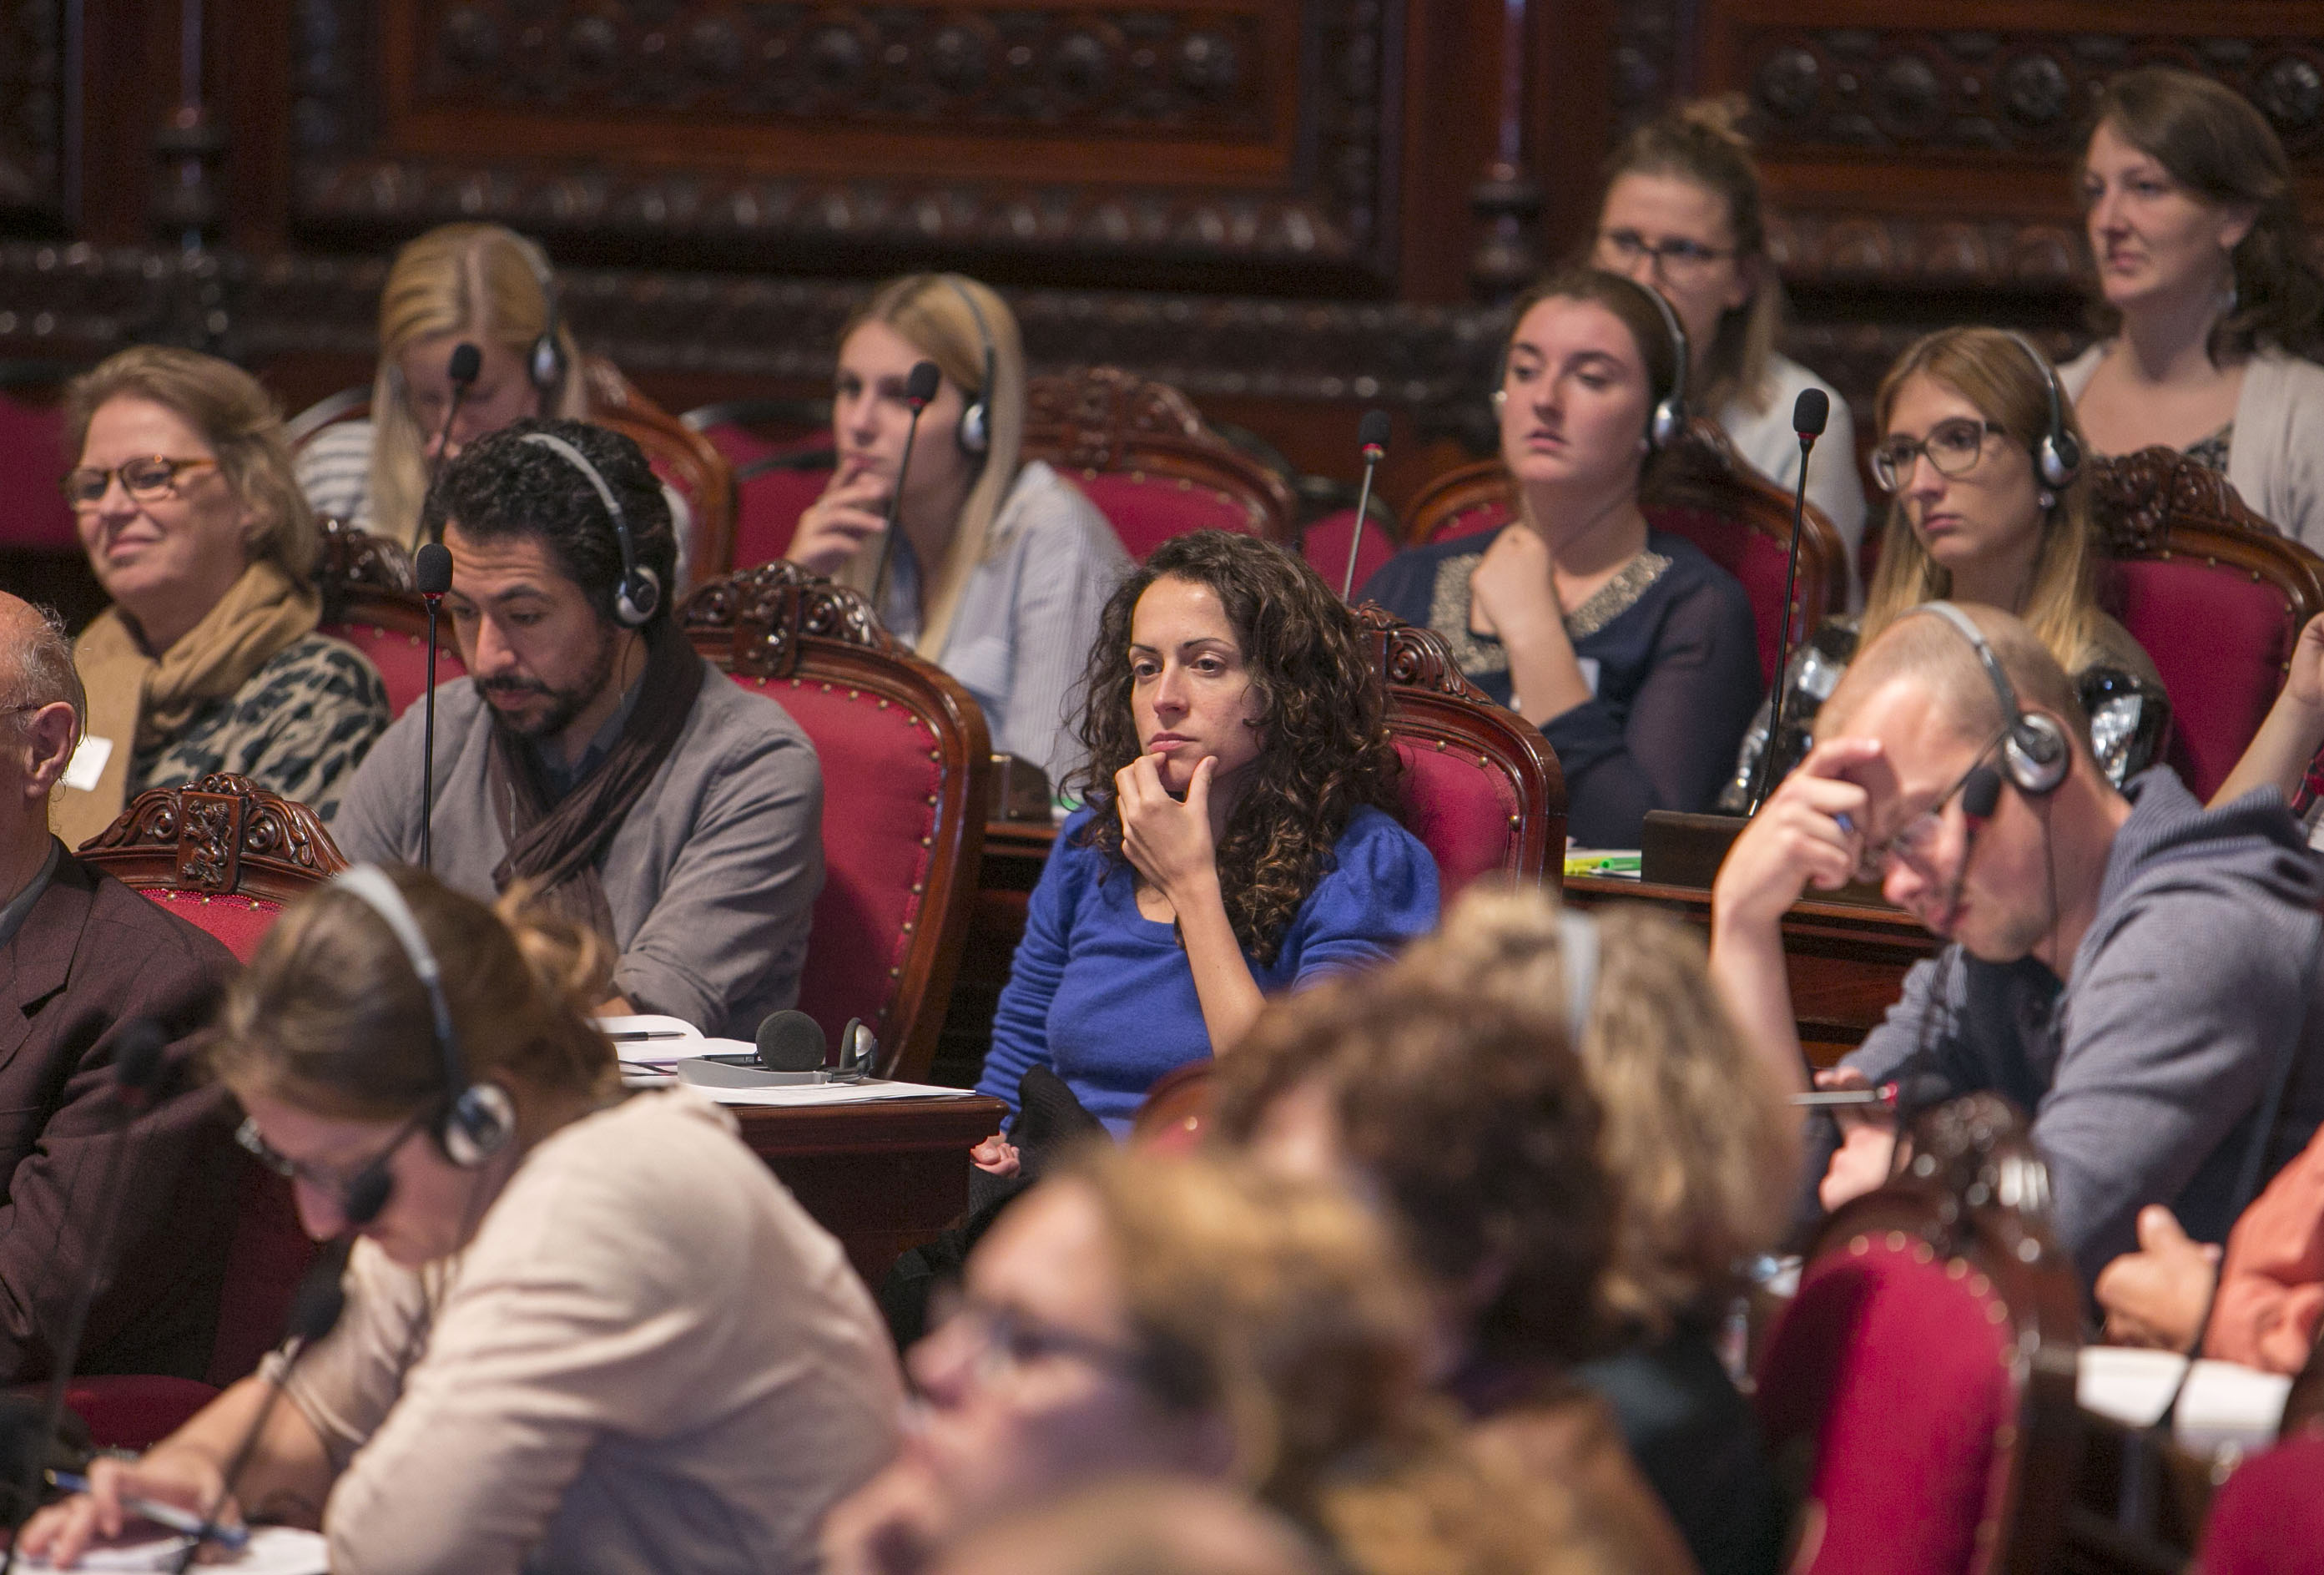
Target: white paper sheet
2224, 1403
272, 1550
834, 1093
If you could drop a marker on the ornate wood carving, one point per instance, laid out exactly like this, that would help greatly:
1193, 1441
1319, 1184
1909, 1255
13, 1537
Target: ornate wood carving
1103, 418
32, 107
1411, 657
1250, 130
749, 623
1929, 87
352, 557
2141, 498
220, 834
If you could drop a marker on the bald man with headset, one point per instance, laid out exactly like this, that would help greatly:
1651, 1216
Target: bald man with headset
2137, 971
590, 751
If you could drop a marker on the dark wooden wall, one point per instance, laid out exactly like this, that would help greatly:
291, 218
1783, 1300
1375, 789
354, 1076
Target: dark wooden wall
1274, 203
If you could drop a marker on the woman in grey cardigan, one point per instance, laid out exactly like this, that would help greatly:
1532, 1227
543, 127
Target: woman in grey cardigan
2208, 294
999, 569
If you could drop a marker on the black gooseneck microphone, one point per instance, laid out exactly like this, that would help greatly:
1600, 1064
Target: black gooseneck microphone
137, 1072
919, 387
1371, 437
468, 361
314, 1311
1810, 412
431, 573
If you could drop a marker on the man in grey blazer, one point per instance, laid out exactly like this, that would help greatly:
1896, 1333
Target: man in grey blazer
590, 753
2135, 970
82, 958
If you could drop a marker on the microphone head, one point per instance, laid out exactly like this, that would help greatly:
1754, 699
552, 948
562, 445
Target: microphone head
314, 1309
920, 383
790, 1040
468, 361
1810, 412
1981, 793
367, 1195
1372, 432
431, 568
138, 1059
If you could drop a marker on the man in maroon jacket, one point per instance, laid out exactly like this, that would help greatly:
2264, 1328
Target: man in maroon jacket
82, 958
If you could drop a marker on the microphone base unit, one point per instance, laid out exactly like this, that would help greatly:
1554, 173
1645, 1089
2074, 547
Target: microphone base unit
743, 1071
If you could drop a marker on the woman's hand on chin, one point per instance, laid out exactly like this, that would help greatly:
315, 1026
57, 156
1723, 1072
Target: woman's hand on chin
1167, 842
1512, 593
851, 511
184, 1478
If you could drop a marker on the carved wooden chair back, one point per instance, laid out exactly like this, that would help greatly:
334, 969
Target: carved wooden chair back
1140, 451
1703, 491
907, 765
368, 602
1482, 787
2213, 593
1919, 1389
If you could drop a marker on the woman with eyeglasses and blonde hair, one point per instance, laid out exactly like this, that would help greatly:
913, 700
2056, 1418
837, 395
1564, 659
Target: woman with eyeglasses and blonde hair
1001, 566
1683, 212
1989, 502
475, 284
2210, 304
580, 1332
208, 661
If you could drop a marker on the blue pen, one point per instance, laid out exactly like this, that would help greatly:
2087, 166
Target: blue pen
232, 1538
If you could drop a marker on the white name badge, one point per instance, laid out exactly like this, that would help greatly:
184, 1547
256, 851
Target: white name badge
87, 762
1589, 665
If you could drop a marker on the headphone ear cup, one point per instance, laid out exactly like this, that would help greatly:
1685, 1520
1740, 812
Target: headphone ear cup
2061, 457
546, 365
1500, 400
976, 431
478, 1124
636, 598
2036, 754
1669, 420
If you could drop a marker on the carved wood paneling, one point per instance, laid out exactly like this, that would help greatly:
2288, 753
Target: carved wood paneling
32, 107
1244, 131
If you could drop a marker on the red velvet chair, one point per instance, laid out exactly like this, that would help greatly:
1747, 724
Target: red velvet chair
2268, 1518
1703, 492
1482, 786
2216, 596
1919, 1386
33, 515
907, 766
368, 602
1144, 457
781, 452
1324, 545
225, 855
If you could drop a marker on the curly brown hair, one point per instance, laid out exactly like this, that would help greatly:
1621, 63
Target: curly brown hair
1323, 710
1476, 1119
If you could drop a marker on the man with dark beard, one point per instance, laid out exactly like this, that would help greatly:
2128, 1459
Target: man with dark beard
590, 752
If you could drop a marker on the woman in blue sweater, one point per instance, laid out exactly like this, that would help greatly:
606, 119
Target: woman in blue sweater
1239, 836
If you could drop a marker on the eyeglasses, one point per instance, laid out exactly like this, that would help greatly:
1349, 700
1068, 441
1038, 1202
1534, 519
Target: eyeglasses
1916, 840
148, 480
1676, 258
1953, 447
1006, 1341
334, 1181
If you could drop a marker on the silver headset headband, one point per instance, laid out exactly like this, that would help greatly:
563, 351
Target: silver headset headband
580, 461
983, 336
1677, 394
370, 883
2003, 689
1577, 955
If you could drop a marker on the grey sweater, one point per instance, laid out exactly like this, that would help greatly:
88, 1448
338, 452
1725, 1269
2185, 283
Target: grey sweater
711, 878
2145, 1073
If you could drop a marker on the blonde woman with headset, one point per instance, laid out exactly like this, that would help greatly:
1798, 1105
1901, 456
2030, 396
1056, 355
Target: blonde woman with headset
1001, 567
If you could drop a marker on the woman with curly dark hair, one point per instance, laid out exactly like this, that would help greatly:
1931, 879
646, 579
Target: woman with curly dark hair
1238, 834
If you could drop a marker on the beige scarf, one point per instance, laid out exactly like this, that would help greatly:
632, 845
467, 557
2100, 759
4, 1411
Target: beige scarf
137, 703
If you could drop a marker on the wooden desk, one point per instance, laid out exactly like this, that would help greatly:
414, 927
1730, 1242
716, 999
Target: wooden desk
882, 1176
1847, 959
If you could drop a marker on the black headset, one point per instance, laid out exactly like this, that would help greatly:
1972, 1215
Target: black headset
544, 362
639, 592
479, 1118
974, 433
1668, 420
2058, 456
2035, 753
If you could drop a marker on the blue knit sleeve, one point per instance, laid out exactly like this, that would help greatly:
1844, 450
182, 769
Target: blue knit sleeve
1020, 1027
1380, 894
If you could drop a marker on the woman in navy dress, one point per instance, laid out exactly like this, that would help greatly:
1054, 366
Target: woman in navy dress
1631, 651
